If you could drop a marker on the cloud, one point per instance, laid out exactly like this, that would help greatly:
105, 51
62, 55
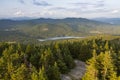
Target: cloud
21, 1
89, 4
90, 7
58, 8
115, 11
52, 13
83, 4
41, 3
100, 3
95, 4
19, 13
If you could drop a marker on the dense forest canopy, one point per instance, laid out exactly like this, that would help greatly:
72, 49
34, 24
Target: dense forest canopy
48, 62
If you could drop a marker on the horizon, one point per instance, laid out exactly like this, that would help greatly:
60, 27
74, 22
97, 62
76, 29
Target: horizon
59, 9
30, 18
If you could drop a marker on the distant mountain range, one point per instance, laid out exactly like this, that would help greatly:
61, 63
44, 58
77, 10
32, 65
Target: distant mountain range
18, 18
101, 19
44, 28
109, 20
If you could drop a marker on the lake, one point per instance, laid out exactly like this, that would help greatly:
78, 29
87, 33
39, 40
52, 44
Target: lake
59, 38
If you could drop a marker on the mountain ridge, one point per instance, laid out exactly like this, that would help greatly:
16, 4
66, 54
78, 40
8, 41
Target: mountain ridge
45, 28
108, 20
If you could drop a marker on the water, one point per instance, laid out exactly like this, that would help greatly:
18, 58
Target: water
59, 38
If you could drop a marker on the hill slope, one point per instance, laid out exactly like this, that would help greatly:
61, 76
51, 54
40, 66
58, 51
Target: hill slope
44, 28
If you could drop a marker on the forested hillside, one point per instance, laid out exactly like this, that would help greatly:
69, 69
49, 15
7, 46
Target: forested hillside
45, 28
48, 62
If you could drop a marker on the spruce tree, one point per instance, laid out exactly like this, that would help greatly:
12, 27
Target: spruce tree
53, 72
42, 74
100, 67
91, 72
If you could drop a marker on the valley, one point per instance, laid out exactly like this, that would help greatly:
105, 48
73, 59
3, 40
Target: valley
31, 30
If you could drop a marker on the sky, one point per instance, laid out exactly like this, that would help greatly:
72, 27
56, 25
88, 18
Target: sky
60, 8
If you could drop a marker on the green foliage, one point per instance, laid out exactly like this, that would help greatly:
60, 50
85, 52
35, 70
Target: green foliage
42, 75
101, 67
53, 72
92, 71
48, 62
21, 73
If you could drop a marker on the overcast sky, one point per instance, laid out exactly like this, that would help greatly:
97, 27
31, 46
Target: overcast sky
59, 8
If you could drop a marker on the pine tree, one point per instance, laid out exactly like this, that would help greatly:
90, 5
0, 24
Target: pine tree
29, 49
34, 75
92, 71
53, 72
100, 68
116, 57
106, 47
62, 66
94, 45
108, 67
47, 58
42, 74
22, 73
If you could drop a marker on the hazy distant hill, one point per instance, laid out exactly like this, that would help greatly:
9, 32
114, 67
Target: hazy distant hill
43, 28
109, 20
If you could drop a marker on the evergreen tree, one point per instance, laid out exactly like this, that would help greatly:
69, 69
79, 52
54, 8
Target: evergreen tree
108, 67
106, 47
53, 72
101, 68
34, 75
62, 66
42, 74
92, 71
116, 57
22, 73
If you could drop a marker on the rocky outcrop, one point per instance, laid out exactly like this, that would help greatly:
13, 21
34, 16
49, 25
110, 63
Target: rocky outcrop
76, 73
